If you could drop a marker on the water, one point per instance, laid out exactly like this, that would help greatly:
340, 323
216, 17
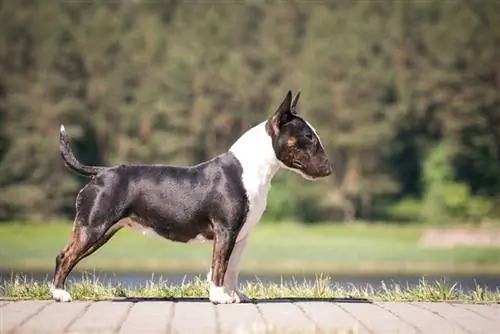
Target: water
132, 280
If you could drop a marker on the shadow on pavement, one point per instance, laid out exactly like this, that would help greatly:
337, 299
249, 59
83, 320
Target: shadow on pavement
253, 301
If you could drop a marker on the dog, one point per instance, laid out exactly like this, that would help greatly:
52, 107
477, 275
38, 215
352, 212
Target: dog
216, 201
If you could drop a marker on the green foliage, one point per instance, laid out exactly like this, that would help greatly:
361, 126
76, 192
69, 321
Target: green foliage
175, 82
446, 199
407, 209
281, 202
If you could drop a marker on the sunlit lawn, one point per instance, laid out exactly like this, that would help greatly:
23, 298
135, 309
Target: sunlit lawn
273, 248
90, 288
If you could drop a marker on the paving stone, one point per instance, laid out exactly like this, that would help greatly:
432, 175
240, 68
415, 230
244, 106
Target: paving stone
424, 320
239, 318
200, 316
462, 316
102, 316
285, 315
55, 317
485, 310
15, 313
377, 319
329, 316
148, 317
194, 317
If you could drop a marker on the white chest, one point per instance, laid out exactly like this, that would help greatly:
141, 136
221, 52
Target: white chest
258, 161
257, 200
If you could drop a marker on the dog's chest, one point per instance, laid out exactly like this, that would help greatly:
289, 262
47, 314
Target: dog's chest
257, 199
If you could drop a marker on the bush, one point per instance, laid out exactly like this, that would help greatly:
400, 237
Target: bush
446, 199
408, 209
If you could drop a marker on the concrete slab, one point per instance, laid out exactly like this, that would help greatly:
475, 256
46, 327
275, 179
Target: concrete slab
423, 319
148, 317
55, 317
463, 317
374, 318
285, 315
239, 318
194, 317
102, 316
327, 315
14, 314
484, 310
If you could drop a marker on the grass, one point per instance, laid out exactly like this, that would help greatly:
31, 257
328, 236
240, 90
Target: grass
284, 248
90, 288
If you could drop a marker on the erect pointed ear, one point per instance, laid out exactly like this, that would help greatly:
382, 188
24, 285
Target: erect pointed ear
282, 115
295, 101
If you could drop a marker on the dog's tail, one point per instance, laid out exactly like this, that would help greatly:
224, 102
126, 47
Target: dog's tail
70, 159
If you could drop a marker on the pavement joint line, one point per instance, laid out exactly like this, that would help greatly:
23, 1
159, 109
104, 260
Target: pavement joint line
76, 317
362, 324
259, 310
478, 313
25, 320
316, 326
217, 318
171, 317
124, 317
399, 317
420, 306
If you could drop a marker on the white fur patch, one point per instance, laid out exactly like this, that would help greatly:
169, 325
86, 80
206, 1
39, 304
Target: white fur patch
60, 295
218, 295
255, 152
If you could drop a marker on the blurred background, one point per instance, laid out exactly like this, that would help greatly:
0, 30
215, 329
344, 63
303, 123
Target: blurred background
404, 94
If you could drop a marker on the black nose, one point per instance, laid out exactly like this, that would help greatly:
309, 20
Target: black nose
328, 169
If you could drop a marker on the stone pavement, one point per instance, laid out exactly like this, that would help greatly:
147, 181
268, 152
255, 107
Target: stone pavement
263, 316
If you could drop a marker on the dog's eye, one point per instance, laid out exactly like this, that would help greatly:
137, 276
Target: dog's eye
309, 136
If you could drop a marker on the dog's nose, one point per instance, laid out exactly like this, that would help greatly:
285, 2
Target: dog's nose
328, 169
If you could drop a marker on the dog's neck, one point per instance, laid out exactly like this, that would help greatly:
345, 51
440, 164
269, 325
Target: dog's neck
255, 152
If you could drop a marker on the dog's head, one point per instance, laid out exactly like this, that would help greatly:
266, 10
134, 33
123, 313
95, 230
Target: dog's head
295, 142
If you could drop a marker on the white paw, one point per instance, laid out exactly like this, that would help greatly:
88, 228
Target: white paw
239, 296
61, 295
218, 295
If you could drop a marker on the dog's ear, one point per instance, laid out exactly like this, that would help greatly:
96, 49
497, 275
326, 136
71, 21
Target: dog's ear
282, 115
295, 101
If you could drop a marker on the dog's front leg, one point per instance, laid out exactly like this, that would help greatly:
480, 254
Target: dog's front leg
224, 242
232, 272
233, 269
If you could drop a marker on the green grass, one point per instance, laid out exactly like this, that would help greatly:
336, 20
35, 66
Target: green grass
89, 288
273, 248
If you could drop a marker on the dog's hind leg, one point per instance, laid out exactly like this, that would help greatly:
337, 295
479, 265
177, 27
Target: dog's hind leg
85, 241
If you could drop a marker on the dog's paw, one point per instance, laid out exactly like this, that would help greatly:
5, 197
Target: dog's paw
240, 297
218, 295
60, 295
